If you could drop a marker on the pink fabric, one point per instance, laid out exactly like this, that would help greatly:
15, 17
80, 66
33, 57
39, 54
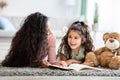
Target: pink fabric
51, 48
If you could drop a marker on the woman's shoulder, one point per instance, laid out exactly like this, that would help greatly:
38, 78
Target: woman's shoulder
51, 37
51, 40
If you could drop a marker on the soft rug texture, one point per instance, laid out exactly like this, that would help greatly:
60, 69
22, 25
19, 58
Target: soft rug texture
27, 71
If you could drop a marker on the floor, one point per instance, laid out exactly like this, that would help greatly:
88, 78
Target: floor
57, 78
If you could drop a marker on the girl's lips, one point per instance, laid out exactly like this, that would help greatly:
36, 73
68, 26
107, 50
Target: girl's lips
72, 44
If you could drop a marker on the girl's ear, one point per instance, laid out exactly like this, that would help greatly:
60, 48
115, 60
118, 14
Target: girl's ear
83, 40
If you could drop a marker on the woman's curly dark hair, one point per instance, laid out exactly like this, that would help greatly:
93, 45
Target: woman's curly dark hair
83, 31
29, 46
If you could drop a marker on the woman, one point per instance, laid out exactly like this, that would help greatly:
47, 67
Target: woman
33, 45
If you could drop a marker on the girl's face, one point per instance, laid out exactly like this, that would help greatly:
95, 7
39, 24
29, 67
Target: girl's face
74, 40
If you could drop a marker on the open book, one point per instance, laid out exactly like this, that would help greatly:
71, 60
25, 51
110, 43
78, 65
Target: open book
76, 67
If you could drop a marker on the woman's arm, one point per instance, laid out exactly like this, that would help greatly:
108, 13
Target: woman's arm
51, 49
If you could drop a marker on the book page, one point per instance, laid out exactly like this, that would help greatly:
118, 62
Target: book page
60, 67
76, 67
79, 67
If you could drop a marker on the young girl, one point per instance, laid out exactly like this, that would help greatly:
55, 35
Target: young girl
33, 45
77, 45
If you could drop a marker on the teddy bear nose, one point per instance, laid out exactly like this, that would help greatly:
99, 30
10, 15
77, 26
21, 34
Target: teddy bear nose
111, 40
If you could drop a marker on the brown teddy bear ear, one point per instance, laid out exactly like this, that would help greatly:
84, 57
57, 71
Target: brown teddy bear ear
105, 36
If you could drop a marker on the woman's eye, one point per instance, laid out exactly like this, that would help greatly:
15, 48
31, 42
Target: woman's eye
69, 36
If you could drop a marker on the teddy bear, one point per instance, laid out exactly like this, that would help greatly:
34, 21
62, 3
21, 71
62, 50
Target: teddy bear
109, 55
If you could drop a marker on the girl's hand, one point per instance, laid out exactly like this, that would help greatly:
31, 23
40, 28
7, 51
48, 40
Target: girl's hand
61, 63
45, 63
89, 63
71, 61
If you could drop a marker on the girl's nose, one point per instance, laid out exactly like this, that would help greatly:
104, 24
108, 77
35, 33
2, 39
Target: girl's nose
72, 39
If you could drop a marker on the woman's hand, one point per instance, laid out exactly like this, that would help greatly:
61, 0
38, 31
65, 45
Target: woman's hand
45, 63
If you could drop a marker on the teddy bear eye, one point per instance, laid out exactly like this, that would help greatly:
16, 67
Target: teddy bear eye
111, 37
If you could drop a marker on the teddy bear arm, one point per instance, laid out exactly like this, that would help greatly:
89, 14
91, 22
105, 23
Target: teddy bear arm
99, 51
115, 62
105, 58
91, 57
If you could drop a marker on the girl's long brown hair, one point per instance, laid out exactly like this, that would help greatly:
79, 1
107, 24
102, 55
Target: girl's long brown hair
87, 41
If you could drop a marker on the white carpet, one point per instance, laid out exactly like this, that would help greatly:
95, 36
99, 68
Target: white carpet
58, 78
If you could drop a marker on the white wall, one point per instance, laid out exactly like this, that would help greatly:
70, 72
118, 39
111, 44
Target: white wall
61, 12
60, 9
116, 14
52, 8
109, 15
105, 15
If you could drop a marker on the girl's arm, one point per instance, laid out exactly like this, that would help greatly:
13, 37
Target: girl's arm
70, 61
89, 63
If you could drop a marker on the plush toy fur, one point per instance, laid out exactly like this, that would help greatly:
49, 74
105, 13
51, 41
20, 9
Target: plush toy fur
91, 57
109, 55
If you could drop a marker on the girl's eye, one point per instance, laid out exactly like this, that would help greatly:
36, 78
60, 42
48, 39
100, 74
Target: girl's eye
76, 37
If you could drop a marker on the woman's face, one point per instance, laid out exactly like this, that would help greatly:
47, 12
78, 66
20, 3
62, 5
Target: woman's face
48, 27
74, 40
